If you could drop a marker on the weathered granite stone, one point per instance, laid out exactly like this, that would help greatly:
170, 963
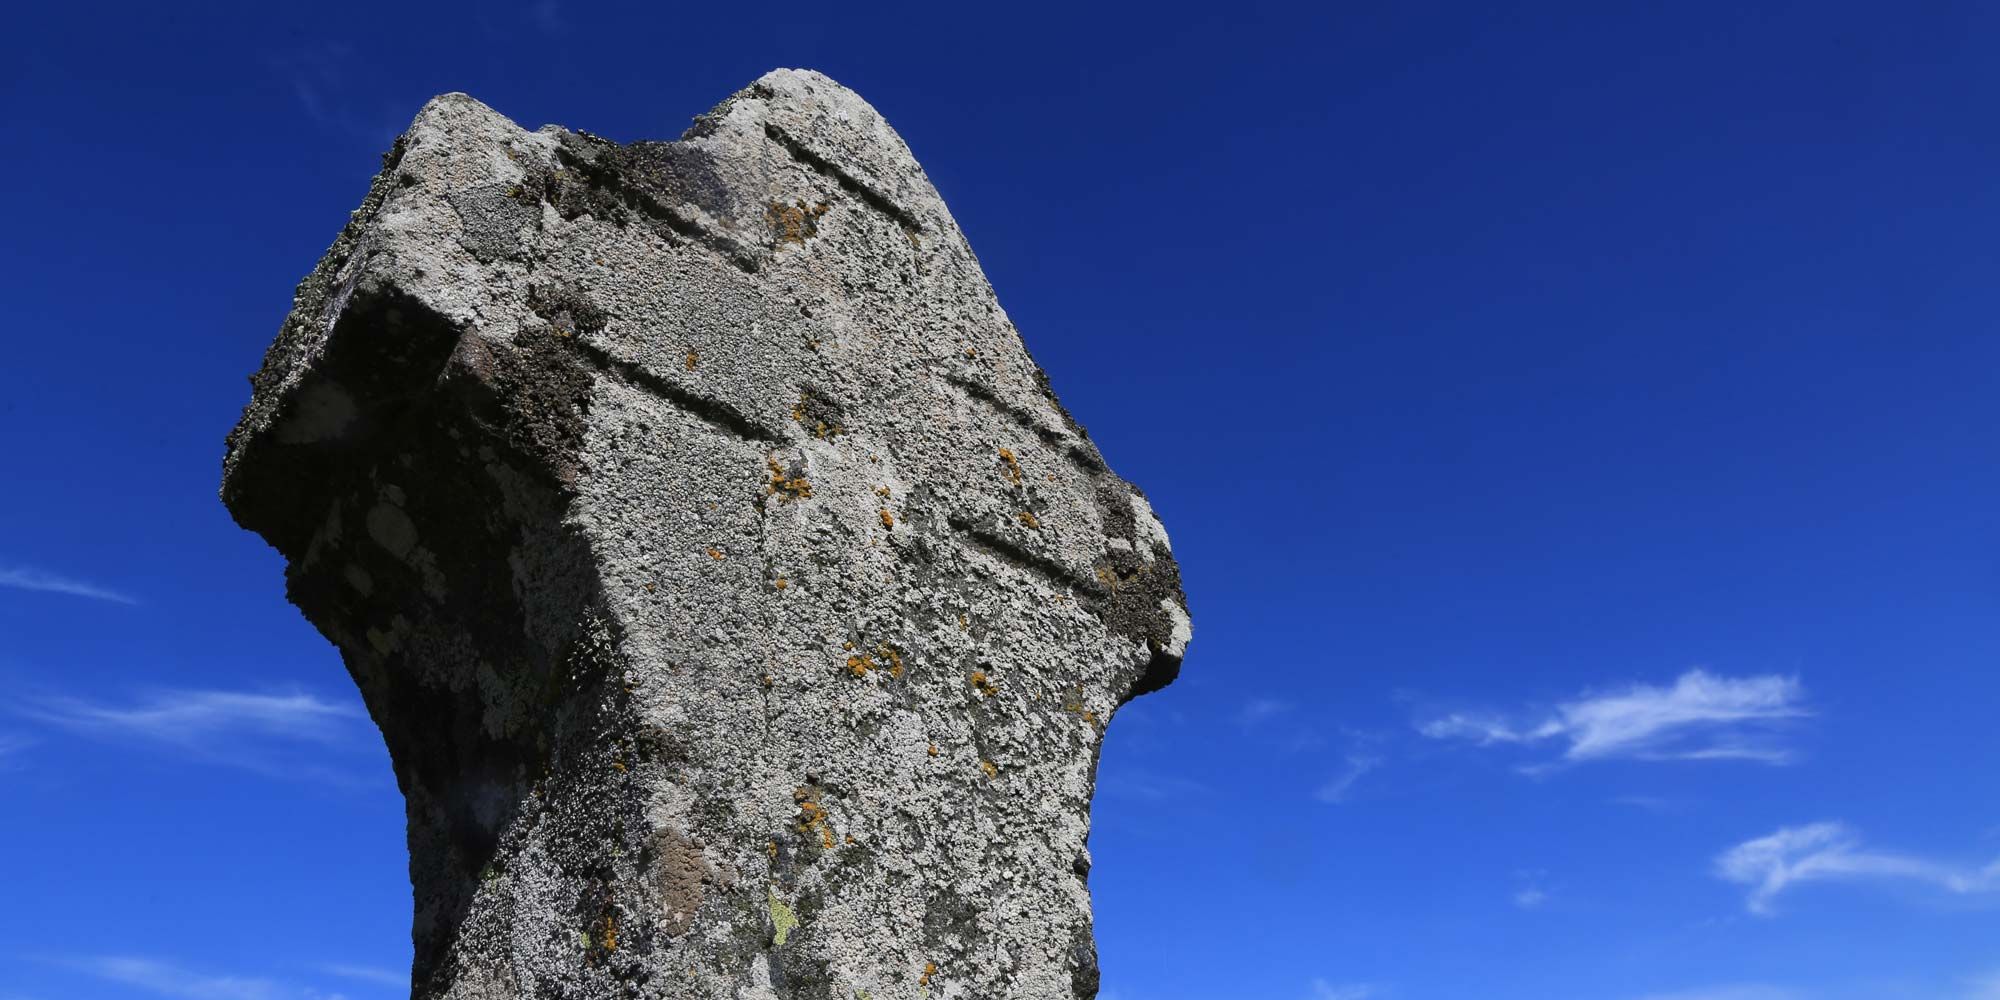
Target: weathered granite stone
741, 610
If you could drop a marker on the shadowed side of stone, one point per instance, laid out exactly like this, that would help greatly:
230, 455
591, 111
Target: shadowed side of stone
740, 608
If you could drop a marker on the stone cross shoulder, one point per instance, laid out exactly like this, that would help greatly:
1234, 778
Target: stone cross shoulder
741, 610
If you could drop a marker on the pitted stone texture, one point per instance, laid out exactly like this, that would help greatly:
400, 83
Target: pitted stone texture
740, 608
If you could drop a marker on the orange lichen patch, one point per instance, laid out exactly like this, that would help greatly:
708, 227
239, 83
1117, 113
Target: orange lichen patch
892, 656
888, 519
650, 588
715, 554
790, 487
780, 583
858, 665
970, 353
983, 684
933, 749
1013, 471
619, 766
609, 933
963, 624
693, 359
1028, 518
794, 223
930, 969
813, 817
992, 770
882, 491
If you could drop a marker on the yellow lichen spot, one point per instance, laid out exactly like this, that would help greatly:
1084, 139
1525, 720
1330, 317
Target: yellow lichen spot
970, 353
610, 932
992, 770
933, 749
848, 644
826, 838
964, 624
715, 554
882, 491
693, 359
771, 848
651, 588
619, 766
930, 969
1028, 518
1013, 471
983, 684
858, 665
780, 583
888, 519
783, 920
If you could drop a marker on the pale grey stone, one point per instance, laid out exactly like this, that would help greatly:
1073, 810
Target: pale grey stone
740, 608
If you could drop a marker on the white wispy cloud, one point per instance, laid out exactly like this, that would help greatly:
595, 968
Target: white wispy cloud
1261, 710
1336, 788
1986, 987
193, 718
24, 578
1324, 990
1741, 991
1138, 783
1820, 852
169, 980
1699, 717
1530, 898
282, 735
374, 974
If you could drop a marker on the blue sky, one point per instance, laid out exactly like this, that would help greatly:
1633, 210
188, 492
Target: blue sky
1575, 425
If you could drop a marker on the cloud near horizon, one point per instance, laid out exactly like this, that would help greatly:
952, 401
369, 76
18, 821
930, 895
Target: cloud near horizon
1324, 990
1700, 717
1750, 991
1820, 852
169, 980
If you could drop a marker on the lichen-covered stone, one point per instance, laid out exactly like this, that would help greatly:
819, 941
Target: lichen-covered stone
740, 608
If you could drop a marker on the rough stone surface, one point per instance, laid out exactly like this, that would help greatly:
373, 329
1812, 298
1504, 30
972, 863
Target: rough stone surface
741, 610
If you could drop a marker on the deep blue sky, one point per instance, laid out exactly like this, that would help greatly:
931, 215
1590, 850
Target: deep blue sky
1576, 428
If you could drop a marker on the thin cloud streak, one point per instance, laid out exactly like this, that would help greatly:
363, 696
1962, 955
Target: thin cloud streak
1335, 791
292, 737
1734, 992
1700, 717
168, 980
1821, 852
24, 578
1324, 990
368, 974
193, 718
